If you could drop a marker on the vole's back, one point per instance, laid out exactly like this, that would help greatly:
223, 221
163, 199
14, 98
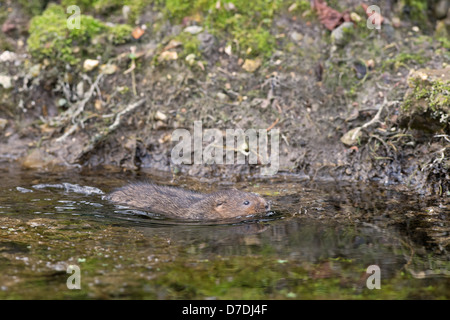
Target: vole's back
154, 198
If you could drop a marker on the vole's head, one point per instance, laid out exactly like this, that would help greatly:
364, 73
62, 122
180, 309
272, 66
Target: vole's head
234, 203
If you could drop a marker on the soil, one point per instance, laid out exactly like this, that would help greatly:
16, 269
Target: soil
310, 89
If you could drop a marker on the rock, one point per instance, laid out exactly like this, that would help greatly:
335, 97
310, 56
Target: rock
352, 137
441, 9
62, 102
35, 70
160, 116
3, 123
207, 42
39, 159
108, 68
426, 104
441, 30
355, 17
80, 89
5, 81
8, 56
126, 11
222, 96
342, 34
190, 59
193, 29
297, 37
251, 65
90, 64
228, 50
396, 22
167, 56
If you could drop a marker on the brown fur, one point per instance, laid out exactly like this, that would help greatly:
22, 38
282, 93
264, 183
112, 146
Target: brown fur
186, 204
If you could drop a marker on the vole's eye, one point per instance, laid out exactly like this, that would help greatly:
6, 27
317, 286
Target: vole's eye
246, 202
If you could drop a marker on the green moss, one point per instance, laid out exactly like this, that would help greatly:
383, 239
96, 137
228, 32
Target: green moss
403, 59
445, 42
85, 5
247, 24
432, 97
190, 43
120, 33
51, 39
33, 7
415, 10
301, 6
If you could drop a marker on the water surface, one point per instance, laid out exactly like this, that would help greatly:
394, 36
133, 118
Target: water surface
318, 243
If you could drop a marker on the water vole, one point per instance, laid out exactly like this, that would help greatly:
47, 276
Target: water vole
181, 203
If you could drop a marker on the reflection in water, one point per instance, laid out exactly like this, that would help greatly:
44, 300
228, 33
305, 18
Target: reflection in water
324, 230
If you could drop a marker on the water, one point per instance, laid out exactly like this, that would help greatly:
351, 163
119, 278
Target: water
317, 245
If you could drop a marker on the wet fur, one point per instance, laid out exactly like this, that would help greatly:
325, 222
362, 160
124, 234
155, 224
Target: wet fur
181, 203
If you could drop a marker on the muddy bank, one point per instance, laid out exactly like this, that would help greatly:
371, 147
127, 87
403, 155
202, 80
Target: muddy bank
347, 109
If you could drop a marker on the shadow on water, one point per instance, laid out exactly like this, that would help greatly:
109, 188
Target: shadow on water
317, 244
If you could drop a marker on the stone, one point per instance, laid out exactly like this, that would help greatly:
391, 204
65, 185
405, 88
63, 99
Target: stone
193, 29
5, 81
90, 64
297, 37
3, 123
340, 35
352, 137
190, 59
251, 65
8, 56
160, 116
441, 9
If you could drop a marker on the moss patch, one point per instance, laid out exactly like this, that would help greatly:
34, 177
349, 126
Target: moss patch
51, 38
428, 96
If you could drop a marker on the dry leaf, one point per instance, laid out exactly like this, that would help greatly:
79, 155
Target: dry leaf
137, 32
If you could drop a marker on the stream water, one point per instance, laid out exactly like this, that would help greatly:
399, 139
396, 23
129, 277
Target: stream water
318, 244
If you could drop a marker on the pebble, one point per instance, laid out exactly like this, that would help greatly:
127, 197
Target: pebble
338, 36
441, 9
193, 29
8, 56
5, 81
90, 64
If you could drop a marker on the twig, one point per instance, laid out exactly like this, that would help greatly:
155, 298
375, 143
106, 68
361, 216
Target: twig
375, 119
78, 109
101, 135
273, 124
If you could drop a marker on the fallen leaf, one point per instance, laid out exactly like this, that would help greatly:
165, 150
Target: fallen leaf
329, 17
137, 32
